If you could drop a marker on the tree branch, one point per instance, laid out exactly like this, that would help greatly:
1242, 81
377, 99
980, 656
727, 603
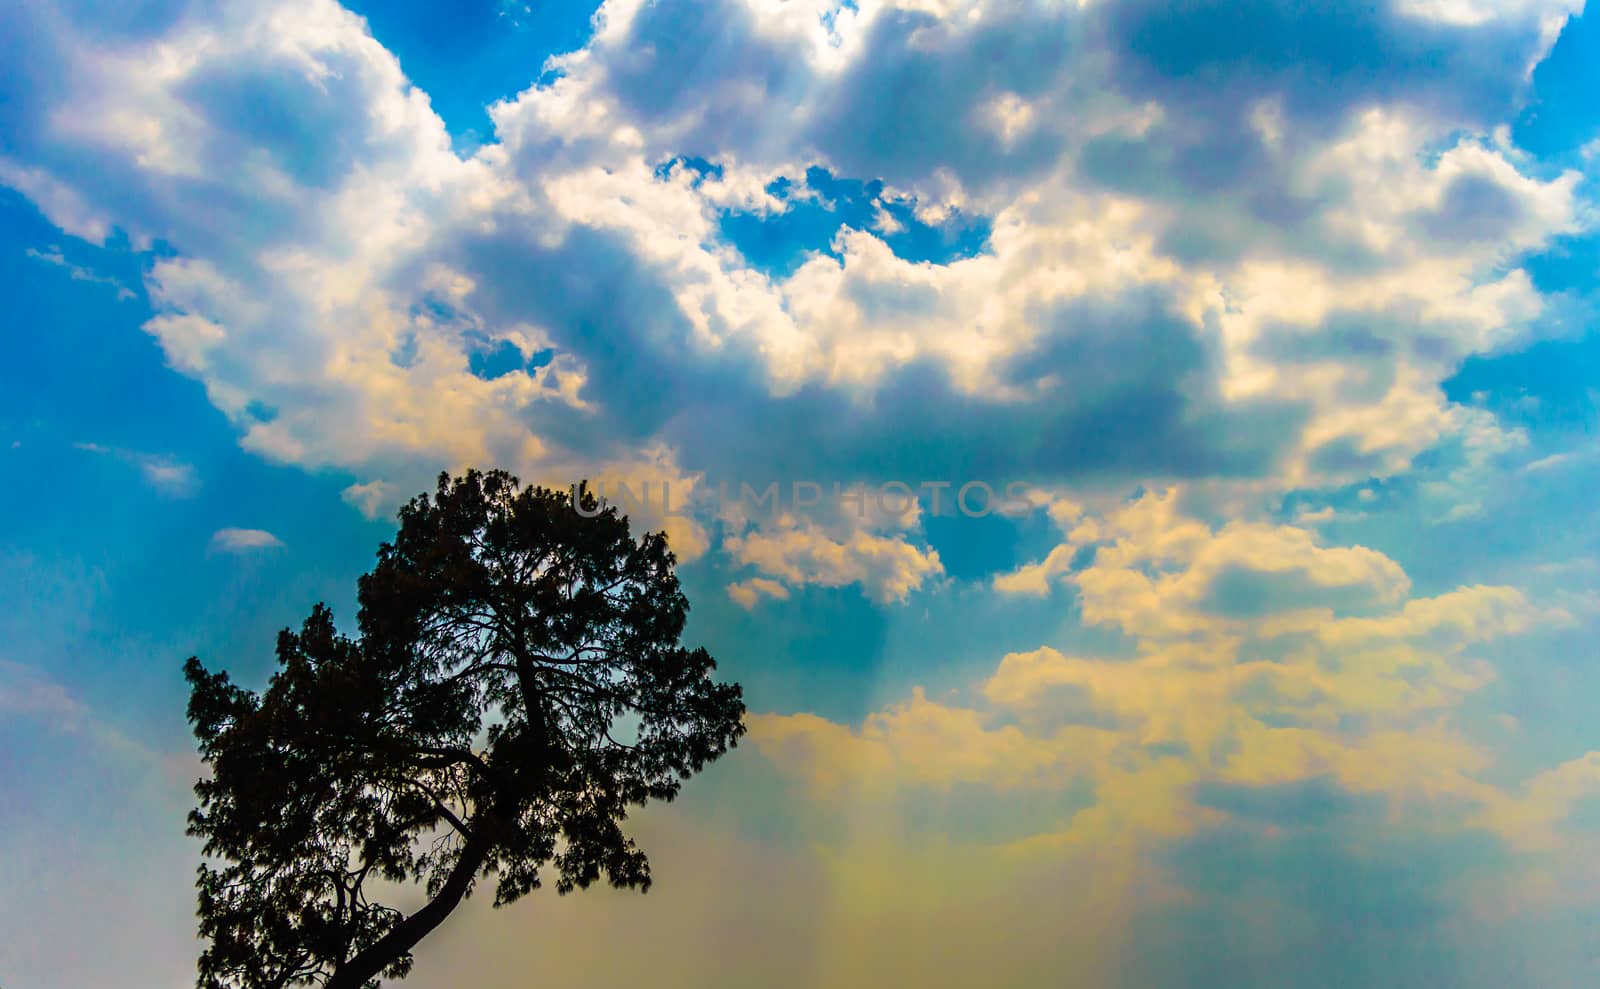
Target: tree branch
370, 962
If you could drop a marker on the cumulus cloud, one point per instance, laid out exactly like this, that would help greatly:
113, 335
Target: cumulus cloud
1259, 658
1205, 261
876, 552
1170, 288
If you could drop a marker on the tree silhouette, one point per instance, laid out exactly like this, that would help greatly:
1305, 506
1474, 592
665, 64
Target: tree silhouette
516, 686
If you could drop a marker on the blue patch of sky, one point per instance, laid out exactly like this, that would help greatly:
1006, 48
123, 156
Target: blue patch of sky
949, 643
835, 652
1527, 518
779, 243
1564, 114
404, 353
976, 548
259, 411
973, 548
1568, 263
818, 651
1554, 384
472, 53
500, 358
110, 580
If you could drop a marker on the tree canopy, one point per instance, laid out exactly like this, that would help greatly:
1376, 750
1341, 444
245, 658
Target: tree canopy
516, 685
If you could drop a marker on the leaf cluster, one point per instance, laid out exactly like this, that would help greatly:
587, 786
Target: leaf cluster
516, 686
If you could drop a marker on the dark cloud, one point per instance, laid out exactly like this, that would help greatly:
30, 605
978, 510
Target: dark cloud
1244, 592
1340, 336
707, 72
1212, 64
1125, 388
1216, 57
609, 309
1474, 208
916, 105
1317, 802
309, 128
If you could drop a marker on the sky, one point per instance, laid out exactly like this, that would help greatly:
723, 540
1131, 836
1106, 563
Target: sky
1277, 320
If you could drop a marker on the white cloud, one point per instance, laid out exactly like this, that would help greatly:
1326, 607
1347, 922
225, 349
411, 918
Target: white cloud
65, 206
798, 551
163, 472
748, 593
78, 273
1160, 576
1264, 698
1289, 325
372, 498
1259, 283
243, 540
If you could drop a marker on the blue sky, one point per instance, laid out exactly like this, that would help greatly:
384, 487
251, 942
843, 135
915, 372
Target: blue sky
1283, 316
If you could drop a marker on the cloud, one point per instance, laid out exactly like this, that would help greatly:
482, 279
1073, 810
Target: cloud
371, 498
1211, 255
1155, 573
243, 540
1166, 291
1256, 658
161, 471
797, 552
1205, 262
748, 593
25, 691
29, 695
78, 273
1295, 779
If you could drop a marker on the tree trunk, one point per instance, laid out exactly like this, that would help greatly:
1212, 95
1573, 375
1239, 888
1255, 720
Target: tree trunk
367, 964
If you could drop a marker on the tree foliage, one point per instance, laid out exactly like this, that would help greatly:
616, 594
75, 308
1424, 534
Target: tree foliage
517, 684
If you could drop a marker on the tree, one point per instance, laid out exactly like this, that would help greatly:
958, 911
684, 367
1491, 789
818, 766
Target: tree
516, 686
